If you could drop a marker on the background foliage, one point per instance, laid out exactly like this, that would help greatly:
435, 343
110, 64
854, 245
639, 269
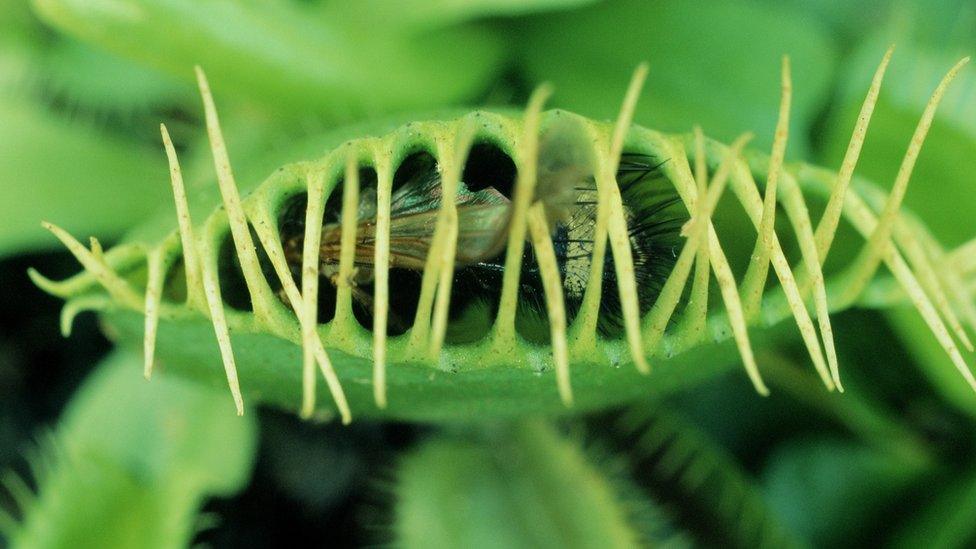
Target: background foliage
117, 462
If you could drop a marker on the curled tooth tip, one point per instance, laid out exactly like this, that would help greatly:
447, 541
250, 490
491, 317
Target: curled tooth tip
67, 321
96, 247
42, 281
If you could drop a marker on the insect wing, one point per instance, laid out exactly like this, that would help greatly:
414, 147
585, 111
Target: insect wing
483, 217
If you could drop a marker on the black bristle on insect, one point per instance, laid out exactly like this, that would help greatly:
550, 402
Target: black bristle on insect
654, 216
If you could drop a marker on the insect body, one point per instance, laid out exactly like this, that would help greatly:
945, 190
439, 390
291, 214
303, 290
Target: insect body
456, 264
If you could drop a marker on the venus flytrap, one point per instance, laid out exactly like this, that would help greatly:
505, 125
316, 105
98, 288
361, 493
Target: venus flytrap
129, 464
545, 487
263, 303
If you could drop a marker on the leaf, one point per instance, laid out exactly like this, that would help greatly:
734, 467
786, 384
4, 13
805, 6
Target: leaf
846, 20
17, 25
283, 56
90, 182
83, 77
523, 486
412, 16
707, 65
715, 498
131, 461
948, 520
831, 490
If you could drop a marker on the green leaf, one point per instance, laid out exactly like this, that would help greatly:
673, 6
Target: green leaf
707, 64
284, 55
105, 83
87, 181
948, 520
935, 363
831, 490
519, 487
682, 465
17, 24
410, 16
132, 460
846, 20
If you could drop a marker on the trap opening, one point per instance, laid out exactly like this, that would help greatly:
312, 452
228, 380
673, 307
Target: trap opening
174, 285
489, 166
654, 218
477, 289
233, 286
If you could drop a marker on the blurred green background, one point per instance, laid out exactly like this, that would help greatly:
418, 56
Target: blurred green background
84, 85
